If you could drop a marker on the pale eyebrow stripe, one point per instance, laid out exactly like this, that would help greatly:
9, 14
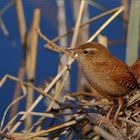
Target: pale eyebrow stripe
91, 49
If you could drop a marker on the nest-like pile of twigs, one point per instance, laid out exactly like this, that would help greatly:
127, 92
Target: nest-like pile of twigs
79, 118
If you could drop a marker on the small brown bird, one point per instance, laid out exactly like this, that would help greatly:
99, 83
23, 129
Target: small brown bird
136, 70
107, 74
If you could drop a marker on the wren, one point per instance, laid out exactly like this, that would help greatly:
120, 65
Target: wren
107, 74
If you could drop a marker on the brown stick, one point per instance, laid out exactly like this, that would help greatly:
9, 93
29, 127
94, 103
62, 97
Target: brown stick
21, 20
31, 61
22, 31
86, 23
21, 75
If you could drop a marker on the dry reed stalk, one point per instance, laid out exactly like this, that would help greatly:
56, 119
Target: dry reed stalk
55, 48
52, 46
84, 31
129, 121
26, 84
2, 11
31, 61
97, 5
83, 37
57, 94
12, 103
22, 31
17, 91
73, 44
49, 115
105, 24
133, 35
74, 40
4, 79
37, 101
87, 23
103, 133
5, 136
102, 40
77, 25
18, 123
125, 4
63, 42
134, 99
6, 7
3, 27
42, 132
21, 20
21, 136
34, 42
22, 113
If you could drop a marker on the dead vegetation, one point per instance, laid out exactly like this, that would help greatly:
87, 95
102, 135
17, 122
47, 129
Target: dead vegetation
68, 115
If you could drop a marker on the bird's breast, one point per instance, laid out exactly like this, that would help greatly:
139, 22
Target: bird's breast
100, 78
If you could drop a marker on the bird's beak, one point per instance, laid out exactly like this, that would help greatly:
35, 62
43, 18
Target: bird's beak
72, 52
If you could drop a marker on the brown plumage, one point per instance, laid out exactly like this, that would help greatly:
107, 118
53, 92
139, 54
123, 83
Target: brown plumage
106, 73
136, 70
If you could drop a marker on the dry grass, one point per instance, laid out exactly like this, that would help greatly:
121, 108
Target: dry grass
85, 111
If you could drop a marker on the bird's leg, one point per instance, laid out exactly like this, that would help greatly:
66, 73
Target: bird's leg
106, 118
109, 113
120, 103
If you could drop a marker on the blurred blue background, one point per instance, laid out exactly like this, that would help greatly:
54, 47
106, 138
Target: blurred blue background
11, 52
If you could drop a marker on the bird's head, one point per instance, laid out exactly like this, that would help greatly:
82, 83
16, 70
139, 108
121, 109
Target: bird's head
90, 52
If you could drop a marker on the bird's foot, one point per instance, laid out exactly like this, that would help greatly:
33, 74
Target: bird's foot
105, 121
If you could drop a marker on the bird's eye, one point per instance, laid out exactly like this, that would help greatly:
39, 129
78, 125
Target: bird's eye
85, 51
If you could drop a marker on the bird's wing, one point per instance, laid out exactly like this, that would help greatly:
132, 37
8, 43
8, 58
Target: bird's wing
126, 79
